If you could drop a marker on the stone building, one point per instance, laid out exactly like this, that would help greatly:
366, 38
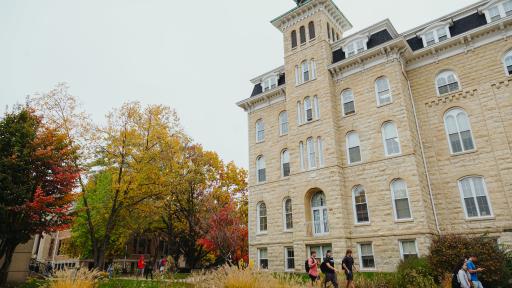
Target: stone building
377, 140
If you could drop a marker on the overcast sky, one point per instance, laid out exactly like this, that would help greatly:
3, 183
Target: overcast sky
195, 56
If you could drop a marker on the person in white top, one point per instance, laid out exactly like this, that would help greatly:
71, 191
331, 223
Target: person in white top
462, 276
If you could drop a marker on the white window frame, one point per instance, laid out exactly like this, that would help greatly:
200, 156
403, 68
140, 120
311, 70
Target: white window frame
259, 258
347, 137
283, 123
258, 219
320, 149
323, 222
305, 70
316, 108
500, 6
377, 91
384, 139
467, 217
350, 95
285, 154
260, 127
321, 251
311, 153
356, 46
401, 242
362, 268
445, 74
300, 119
312, 68
434, 31
286, 268
301, 156
260, 164
393, 199
454, 112
270, 82
285, 213
308, 105
356, 221
507, 55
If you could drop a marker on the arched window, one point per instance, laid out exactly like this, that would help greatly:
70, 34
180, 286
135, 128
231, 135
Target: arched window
305, 71
297, 75
294, 39
316, 106
311, 28
360, 205
299, 113
301, 155
458, 129
446, 82
319, 212
260, 131
262, 217
390, 139
310, 146
308, 109
285, 163
474, 197
328, 31
400, 196
260, 169
320, 147
313, 68
288, 215
283, 123
302, 33
382, 91
353, 148
347, 98
507, 61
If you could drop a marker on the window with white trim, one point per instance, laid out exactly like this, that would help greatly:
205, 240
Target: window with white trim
288, 215
436, 35
400, 195
285, 163
289, 256
260, 131
347, 99
447, 82
308, 109
408, 249
321, 250
328, 31
319, 212
458, 130
311, 30
299, 113
302, 34
311, 110
366, 257
320, 148
316, 106
390, 138
310, 146
498, 11
260, 169
283, 123
269, 83
382, 91
263, 258
360, 205
301, 156
355, 47
294, 38
475, 197
261, 217
507, 61
353, 148
305, 72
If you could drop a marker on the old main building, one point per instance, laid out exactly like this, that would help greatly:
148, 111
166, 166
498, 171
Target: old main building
378, 141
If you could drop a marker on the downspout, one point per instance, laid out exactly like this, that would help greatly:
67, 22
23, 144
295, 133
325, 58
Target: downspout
429, 184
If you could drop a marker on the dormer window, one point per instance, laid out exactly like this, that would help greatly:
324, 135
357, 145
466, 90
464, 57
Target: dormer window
436, 35
269, 83
497, 10
356, 47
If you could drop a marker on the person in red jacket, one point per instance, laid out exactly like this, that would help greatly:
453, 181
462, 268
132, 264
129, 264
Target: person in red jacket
140, 267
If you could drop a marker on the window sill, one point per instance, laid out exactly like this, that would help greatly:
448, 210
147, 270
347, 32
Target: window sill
385, 104
449, 93
288, 231
305, 82
309, 122
398, 221
259, 142
486, 218
393, 155
312, 39
285, 134
354, 164
362, 224
320, 234
261, 233
348, 115
260, 183
464, 153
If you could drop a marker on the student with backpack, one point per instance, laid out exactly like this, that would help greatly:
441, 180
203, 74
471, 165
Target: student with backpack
311, 266
328, 269
460, 276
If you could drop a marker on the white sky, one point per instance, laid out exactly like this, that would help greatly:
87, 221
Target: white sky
195, 56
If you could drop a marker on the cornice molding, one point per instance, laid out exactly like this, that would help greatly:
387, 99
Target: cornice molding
456, 96
263, 100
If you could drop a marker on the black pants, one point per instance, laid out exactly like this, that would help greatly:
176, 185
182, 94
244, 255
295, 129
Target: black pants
331, 277
149, 271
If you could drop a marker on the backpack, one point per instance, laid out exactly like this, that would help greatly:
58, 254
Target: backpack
306, 265
455, 281
323, 267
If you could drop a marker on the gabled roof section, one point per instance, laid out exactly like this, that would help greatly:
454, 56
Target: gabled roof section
309, 7
368, 32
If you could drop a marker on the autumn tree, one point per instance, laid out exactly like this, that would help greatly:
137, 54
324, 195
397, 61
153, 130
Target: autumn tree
37, 177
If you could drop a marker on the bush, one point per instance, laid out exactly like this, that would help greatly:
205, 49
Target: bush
415, 272
447, 250
79, 278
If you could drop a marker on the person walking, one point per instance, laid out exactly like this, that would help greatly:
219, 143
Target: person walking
140, 267
163, 263
473, 270
329, 270
312, 268
110, 269
149, 268
347, 264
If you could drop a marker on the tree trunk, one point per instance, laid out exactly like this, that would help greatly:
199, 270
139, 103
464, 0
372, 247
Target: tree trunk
7, 257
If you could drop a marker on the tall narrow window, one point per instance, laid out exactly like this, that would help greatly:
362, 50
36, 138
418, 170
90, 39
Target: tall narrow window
347, 98
290, 258
447, 82
285, 163
313, 68
262, 217
301, 156
288, 215
408, 249
391, 140
475, 198
294, 39
317, 107
297, 75
310, 146
507, 61
366, 259
458, 130
382, 90
302, 33
283, 123
320, 146
260, 131
308, 109
333, 34
360, 205
328, 31
260, 169
353, 148
319, 211
299, 113
263, 258
400, 199
311, 28
305, 71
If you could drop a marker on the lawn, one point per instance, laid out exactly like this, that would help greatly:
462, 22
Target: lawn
118, 283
